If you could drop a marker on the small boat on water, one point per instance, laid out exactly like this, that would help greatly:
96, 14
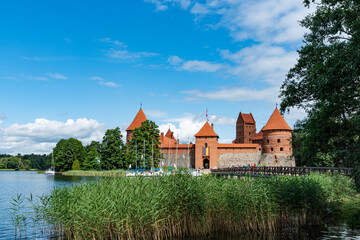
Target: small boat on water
51, 171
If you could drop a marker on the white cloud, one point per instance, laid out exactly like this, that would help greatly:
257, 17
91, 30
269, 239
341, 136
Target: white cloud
201, 66
120, 51
235, 94
2, 117
56, 76
125, 54
42, 135
102, 81
38, 59
175, 60
162, 5
115, 42
186, 127
37, 78
155, 113
261, 62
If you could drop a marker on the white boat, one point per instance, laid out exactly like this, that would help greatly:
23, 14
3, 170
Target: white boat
51, 171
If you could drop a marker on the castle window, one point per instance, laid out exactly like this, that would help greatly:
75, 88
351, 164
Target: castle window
249, 139
259, 149
267, 141
278, 140
206, 145
249, 133
272, 149
281, 149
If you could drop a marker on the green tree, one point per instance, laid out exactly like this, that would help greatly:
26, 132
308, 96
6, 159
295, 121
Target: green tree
66, 152
150, 133
326, 83
92, 156
76, 165
112, 150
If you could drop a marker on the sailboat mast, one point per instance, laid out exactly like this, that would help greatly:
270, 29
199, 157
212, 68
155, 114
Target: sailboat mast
144, 156
169, 155
152, 153
136, 157
188, 155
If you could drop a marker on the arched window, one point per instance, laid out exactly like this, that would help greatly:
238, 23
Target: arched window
281, 149
267, 141
272, 149
278, 140
206, 145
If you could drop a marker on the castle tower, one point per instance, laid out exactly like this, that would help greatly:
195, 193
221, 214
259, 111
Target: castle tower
138, 120
245, 128
277, 135
206, 147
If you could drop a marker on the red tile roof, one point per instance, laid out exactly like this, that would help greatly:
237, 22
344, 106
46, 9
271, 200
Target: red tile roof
238, 145
259, 135
206, 131
138, 120
276, 122
170, 134
248, 118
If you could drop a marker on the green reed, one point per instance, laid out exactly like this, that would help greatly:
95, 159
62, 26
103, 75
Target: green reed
107, 173
182, 206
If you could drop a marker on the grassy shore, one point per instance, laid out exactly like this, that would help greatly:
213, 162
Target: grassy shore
183, 206
109, 173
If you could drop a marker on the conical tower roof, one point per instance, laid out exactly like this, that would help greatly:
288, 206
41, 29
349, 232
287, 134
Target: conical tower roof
276, 122
206, 131
138, 120
170, 134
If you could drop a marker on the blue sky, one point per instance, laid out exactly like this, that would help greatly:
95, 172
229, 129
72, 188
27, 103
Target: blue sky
76, 68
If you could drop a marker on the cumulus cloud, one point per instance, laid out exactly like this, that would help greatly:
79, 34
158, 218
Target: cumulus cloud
175, 60
102, 81
120, 51
162, 5
234, 94
125, 54
272, 21
2, 117
36, 78
186, 127
261, 62
42, 135
56, 76
201, 66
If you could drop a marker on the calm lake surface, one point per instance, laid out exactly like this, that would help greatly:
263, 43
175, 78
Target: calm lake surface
13, 183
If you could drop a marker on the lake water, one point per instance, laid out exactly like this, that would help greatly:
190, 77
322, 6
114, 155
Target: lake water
19, 182
13, 183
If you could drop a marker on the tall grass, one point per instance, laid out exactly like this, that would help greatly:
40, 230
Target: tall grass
108, 173
182, 206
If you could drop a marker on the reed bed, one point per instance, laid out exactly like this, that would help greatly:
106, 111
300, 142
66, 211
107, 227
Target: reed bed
107, 173
184, 206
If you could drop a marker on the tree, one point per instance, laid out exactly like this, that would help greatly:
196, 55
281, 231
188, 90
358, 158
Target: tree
112, 150
76, 165
326, 83
92, 156
66, 152
150, 133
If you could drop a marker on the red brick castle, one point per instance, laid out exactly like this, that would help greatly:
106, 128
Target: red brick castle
271, 146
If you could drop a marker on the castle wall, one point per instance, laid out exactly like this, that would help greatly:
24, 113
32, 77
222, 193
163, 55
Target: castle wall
277, 160
174, 155
231, 159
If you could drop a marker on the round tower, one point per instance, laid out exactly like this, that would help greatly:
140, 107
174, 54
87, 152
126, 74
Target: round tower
277, 135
